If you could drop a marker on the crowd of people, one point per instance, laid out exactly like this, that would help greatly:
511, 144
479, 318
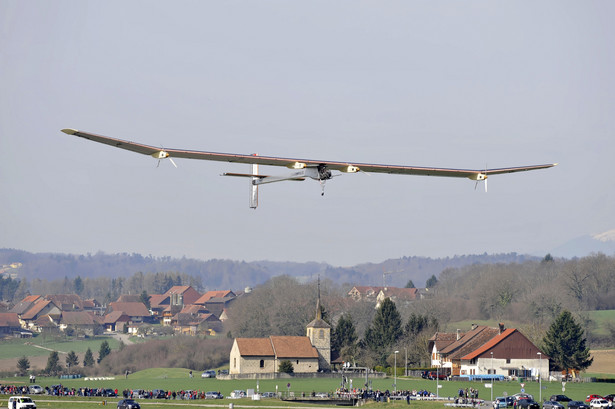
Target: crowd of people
13, 390
385, 395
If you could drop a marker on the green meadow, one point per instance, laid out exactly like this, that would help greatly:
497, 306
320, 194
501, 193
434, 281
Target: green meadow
178, 379
39, 346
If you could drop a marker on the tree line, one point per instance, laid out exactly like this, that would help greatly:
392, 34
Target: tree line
55, 367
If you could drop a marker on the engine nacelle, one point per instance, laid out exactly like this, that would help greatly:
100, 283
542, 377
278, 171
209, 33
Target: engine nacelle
351, 169
478, 176
296, 165
160, 155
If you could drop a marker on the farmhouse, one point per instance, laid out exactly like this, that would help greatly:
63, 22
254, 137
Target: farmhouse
9, 323
484, 350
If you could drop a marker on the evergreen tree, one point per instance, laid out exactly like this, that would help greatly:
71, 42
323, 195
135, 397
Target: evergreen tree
547, 259
416, 324
103, 351
78, 285
88, 358
53, 364
344, 337
410, 284
23, 365
417, 332
72, 360
431, 281
385, 330
144, 298
286, 367
565, 344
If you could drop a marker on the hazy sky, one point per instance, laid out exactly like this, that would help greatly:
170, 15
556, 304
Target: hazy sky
426, 83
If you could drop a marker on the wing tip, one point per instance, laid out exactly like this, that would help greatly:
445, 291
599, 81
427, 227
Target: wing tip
69, 131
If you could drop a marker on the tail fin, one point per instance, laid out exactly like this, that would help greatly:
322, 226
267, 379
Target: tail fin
254, 187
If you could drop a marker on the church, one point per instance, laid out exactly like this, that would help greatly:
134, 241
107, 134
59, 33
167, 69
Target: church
310, 353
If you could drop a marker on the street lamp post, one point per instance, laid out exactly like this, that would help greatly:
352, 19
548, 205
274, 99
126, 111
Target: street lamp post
406, 363
491, 376
438, 380
395, 384
540, 376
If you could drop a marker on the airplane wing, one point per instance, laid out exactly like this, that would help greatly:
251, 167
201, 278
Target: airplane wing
293, 163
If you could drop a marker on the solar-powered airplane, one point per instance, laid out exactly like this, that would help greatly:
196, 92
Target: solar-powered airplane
320, 170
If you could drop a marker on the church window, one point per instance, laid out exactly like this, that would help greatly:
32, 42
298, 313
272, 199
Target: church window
262, 363
234, 362
322, 334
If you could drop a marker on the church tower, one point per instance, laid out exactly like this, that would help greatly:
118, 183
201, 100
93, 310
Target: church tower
319, 333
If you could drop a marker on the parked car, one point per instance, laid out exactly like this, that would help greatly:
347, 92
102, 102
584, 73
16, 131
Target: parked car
526, 404
577, 404
610, 397
237, 393
21, 402
502, 402
560, 398
433, 375
159, 394
110, 393
591, 397
552, 404
213, 395
36, 389
128, 404
599, 403
208, 374
518, 396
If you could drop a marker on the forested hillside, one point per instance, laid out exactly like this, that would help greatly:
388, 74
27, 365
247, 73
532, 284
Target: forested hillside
527, 296
225, 274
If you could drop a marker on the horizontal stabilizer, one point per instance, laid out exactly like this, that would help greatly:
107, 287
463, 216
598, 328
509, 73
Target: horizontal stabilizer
249, 175
244, 175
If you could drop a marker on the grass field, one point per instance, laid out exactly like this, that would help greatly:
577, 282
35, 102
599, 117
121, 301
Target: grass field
601, 319
178, 379
42, 346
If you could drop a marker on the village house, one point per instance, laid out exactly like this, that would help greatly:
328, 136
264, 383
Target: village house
80, 321
116, 321
364, 293
170, 303
485, 350
25, 304
66, 302
136, 311
40, 308
9, 324
217, 301
397, 295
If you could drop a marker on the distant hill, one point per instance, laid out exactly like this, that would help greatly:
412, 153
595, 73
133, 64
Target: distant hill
585, 245
219, 274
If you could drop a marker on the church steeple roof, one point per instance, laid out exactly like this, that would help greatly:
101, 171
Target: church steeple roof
318, 322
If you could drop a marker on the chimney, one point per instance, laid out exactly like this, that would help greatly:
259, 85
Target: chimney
501, 325
458, 334
474, 326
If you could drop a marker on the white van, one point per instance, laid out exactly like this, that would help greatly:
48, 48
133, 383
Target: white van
21, 402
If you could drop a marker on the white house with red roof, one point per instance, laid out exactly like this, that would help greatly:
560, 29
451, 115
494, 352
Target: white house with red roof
485, 350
